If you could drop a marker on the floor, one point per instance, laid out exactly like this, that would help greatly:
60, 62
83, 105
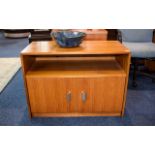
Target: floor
140, 106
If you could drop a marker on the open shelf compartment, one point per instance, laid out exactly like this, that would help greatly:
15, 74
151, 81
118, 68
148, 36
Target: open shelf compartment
78, 67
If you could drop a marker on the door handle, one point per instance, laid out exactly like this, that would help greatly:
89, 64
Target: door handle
69, 96
83, 96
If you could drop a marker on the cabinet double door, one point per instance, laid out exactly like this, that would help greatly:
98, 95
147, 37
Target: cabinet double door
76, 95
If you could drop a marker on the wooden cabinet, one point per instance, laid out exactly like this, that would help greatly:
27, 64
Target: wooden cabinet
112, 34
76, 84
94, 34
150, 64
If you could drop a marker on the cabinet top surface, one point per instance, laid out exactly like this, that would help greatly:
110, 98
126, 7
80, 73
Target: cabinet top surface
86, 48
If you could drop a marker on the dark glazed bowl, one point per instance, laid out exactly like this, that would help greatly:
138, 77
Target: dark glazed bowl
68, 38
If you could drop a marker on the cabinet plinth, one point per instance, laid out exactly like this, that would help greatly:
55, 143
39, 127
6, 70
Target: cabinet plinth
90, 80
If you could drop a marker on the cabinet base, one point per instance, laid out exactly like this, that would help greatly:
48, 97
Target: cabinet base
74, 114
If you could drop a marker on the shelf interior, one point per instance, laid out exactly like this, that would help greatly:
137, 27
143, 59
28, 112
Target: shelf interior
71, 68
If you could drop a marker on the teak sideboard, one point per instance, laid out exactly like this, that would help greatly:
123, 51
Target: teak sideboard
89, 80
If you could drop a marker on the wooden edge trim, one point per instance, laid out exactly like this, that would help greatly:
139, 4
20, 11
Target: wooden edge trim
73, 114
126, 85
25, 84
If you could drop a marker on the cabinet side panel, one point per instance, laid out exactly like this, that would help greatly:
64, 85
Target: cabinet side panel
26, 62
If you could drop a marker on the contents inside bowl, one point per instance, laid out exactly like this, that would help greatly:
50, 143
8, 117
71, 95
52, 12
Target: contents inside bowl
73, 34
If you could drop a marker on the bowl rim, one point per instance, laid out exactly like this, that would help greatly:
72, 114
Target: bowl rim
83, 34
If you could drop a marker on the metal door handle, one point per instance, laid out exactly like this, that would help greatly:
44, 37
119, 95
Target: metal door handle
83, 96
69, 96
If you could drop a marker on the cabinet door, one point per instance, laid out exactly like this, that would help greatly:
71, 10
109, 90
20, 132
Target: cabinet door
82, 94
108, 93
51, 95
47, 95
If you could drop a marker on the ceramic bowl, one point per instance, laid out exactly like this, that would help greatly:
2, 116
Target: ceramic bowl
68, 38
